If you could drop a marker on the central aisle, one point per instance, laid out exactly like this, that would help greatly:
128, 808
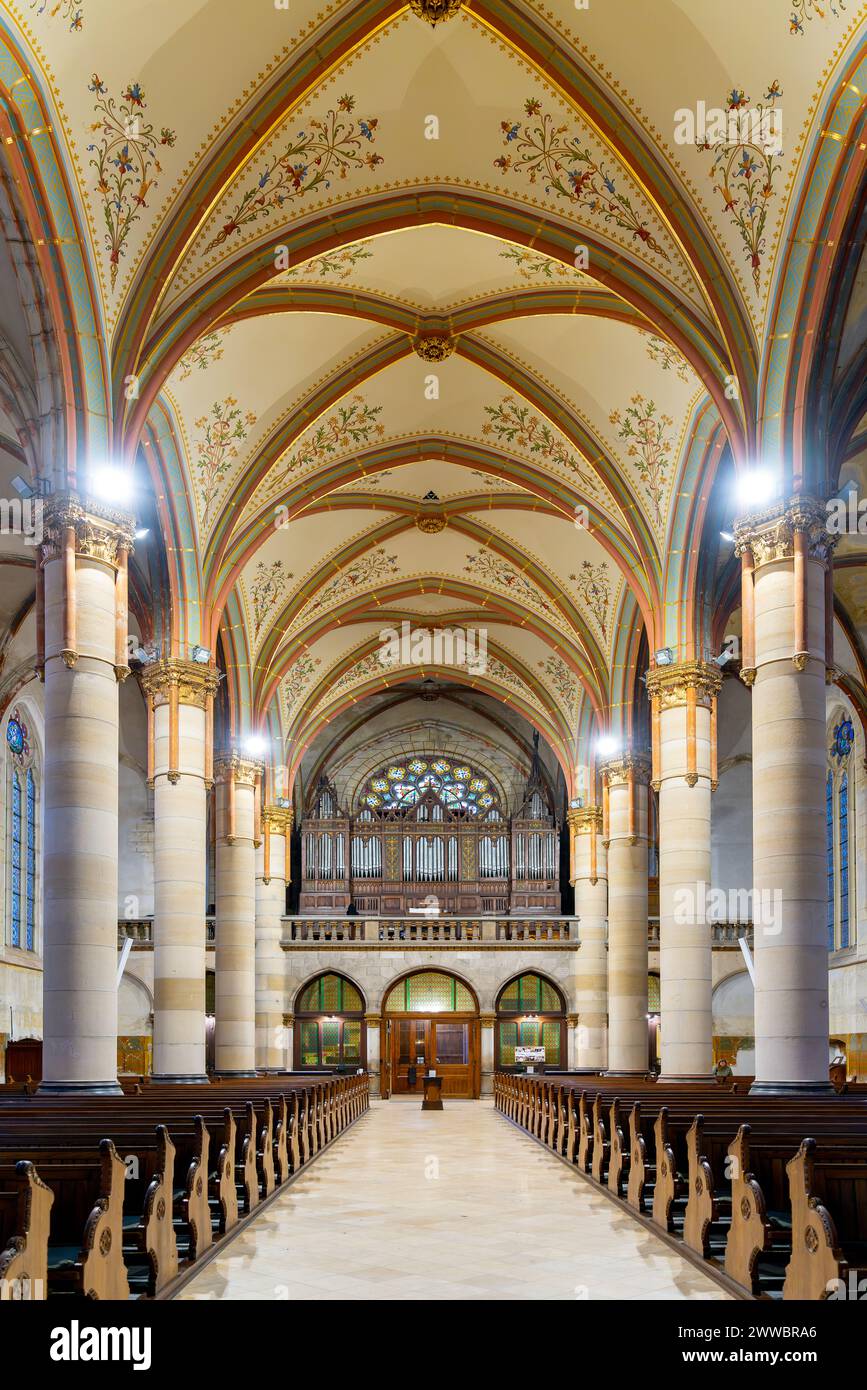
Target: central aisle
457, 1204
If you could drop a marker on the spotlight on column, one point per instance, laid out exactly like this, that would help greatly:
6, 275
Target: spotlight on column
283, 802
576, 803
255, 746
22, 487
756, 487
727, 536
664, 657
200, 654
110, 484
142, 532
607, 746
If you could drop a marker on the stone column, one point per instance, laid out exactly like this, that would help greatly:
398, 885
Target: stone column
590, 879
270, 907
573, 1023
374, 1061
235, 962
288, 1059
82, 624
786, 554
625, 781
683, 697
179, 693
487, 1024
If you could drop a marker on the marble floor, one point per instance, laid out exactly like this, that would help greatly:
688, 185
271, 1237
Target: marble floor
455, 1204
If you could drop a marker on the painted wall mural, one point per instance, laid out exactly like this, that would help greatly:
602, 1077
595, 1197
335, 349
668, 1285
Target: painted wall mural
593, 583
802, 10
124, 158
667, 357
645, 429
512, 422
298, 679
325, 149
338, 264
530, 265
350, 426
492, 569
224, 428
565, 682
268, 587
367, 569
70, 10
546, 151
203, 354
744, 172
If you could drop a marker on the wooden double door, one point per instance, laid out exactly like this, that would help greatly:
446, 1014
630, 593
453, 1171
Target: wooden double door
445, 1043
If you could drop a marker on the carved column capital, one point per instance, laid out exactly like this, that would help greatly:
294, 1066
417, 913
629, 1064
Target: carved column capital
233, 766
279, 818
585, 819
619, 770
101, 533
769, 535
195, 683
671, 684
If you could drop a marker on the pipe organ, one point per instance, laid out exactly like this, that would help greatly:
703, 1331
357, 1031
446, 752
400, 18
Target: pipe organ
389, 860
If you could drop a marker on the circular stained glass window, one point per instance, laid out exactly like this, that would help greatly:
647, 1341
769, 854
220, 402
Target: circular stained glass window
440, 767
397, 774
15, 736
417, 766
399, 787
844, 738
462, 773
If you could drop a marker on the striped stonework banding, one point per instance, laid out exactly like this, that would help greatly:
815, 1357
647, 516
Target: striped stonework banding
271, 860
237, 777
179, 694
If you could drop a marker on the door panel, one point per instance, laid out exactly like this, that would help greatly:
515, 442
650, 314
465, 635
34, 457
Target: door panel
446, 1044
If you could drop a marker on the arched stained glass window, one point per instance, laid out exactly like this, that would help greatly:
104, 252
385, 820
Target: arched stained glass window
329, 1027
429, 992
530, 994
330, 994
30, 873
456, 785
16, 859
654, 998
829, 849
543, 1023
844, 861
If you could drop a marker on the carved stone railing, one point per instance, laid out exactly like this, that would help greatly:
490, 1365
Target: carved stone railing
140, 931
422, 929
724, 935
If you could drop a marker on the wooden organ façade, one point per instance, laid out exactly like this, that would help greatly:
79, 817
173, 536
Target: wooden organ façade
431, 833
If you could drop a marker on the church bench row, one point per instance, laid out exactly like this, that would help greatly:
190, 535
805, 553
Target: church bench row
777, 1211
142, 1205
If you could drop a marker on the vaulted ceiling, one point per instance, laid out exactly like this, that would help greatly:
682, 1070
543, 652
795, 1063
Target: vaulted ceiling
453, 323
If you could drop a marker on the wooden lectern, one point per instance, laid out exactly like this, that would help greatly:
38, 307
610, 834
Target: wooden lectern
433, 1093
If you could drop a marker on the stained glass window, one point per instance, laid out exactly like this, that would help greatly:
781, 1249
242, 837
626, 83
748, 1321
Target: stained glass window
654, 1005
428, 992
457, 786
829, 851
530, 994
844, 861
844, 738
16, 859
330, 994
30, 880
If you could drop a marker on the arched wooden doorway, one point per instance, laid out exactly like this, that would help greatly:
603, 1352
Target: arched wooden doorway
430, 1022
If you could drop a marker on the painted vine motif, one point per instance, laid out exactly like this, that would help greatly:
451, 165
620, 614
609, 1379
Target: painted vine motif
67, 9
369, 665
543, 150
532, 266
325, 149
125, 160
744, 172
269, 585
645, 429
225, 427
367, 569
298, 678
513, 422
808, 9
340, 263
203, 353
349, 427
666, 356
593, 583
564, 682
491, 569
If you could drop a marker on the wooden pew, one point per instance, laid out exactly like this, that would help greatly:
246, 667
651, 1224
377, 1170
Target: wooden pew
25, 1215
641, 1172
618, 1160
150, 1239
88, 1262
822, 1263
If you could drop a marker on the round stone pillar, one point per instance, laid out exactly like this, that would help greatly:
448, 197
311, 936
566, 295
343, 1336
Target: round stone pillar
179, 694
487, 1024
288, 1054
625, 781
683, 697
235, 955
590, 878
786, 554
270, 907
84, 656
